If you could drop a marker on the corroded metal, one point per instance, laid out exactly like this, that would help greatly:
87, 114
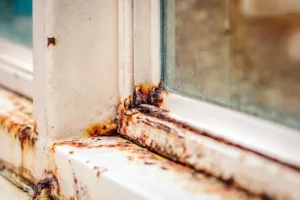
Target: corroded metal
155, 129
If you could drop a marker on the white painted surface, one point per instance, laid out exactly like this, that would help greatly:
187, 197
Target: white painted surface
125, 23
76, 80
269, 138
147, 42
9, 191
16, 69
124, 174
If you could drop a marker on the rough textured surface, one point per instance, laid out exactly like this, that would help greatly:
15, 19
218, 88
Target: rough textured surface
151, 176
153, 128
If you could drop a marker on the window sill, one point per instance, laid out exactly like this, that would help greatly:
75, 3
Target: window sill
110, 167
16, 71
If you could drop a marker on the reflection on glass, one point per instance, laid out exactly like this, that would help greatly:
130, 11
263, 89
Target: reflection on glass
244, 54
16, 20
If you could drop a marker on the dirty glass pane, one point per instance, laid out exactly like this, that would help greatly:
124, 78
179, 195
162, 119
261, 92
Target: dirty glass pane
242, 54
16, 21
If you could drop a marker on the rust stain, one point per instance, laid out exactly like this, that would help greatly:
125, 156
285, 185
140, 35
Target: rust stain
95, 168
163, 115
51, 41
148, 94
147, 100
98, 129
47, 188
18, 123
71, 152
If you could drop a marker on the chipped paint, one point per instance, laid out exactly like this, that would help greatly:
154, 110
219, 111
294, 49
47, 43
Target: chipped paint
147, 125
144, 163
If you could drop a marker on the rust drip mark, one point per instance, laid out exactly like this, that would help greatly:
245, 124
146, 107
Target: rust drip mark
98, 174
27, 135
97, 129
48, 188
51, 41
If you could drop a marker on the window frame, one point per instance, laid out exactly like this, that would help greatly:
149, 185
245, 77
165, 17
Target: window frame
251, 132
139, 54
16, 67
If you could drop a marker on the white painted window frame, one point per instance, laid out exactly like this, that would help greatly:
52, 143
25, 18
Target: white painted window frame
266, 137
140, 62
16, 67
138, 54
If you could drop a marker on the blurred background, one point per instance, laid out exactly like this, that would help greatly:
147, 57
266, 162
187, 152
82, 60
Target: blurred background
16, 21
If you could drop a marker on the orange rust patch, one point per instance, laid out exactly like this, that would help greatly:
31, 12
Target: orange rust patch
95, 167
98, 129
26, 135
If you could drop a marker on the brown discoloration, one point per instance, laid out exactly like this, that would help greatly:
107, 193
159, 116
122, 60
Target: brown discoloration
170, 126
17, 122
95, 168
47, 188
163, 115
148, 163
26, 135
97, 129
79, 144
98, 174
71, 152
148, 94
130, 158
51, 41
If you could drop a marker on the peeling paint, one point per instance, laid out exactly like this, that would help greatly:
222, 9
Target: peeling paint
141, 120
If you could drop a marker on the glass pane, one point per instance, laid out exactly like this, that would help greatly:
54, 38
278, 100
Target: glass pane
16, 20
243, 54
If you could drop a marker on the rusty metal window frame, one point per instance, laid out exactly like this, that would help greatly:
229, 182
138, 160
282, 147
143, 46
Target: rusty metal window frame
266, 137
16, 68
